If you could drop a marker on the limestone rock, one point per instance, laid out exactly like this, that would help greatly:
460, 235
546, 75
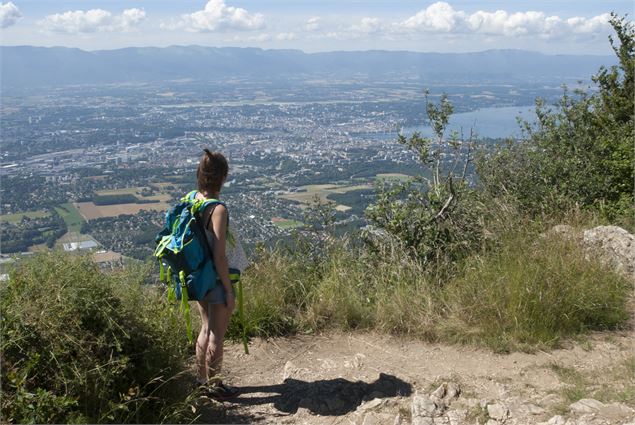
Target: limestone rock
612, 245
422, 406
498, 411
586, 405
369, 405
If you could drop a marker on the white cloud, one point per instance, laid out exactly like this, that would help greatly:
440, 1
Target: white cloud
286, 36
314, 23
9, 14
441, 17
367, 26
217, 16
94, 20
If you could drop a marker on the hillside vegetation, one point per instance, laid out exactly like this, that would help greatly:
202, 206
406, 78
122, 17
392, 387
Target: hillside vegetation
446, 259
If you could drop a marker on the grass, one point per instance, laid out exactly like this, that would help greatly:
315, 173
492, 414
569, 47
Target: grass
15, 218
71, 216
530, 293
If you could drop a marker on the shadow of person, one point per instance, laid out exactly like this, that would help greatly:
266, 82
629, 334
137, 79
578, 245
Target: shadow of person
333, 397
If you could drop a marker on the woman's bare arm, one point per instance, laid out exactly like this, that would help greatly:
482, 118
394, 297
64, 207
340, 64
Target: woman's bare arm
219, 230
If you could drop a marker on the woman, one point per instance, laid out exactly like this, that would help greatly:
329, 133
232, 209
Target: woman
219, 303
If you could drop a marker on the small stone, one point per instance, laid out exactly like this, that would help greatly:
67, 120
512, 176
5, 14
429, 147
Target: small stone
369, 405
289, 370
498, 411
586, 405
422, 406
532, 409
452, 390
440, 392
556, 420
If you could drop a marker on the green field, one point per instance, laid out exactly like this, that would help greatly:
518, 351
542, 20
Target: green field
288, 224
393, 176
71, 216
15, 218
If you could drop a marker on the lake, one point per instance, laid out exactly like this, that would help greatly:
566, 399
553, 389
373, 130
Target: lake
486, 122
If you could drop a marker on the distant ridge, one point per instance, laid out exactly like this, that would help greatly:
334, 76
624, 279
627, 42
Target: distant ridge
29, 66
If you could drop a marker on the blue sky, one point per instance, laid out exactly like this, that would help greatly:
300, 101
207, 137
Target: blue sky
553, 27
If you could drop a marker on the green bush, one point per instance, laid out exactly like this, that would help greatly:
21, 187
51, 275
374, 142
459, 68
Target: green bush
578, 153
79, 345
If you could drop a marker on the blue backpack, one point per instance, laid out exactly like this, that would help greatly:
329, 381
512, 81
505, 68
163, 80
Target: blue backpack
182, 247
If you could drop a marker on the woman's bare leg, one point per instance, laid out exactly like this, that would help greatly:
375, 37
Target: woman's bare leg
204, 308
220, 315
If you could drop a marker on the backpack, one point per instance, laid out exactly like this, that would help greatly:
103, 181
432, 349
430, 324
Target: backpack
182, 247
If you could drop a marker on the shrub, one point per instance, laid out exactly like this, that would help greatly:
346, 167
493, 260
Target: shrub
580, 152
436, 215
79, 345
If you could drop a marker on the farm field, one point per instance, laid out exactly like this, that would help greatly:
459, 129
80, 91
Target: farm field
71, 216
308, 193
286, 224
393, 176
135, 191
15, 218
90, 211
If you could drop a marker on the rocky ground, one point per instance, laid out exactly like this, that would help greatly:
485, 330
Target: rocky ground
370, 379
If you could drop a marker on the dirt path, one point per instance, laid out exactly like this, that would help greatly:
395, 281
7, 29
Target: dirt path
374, 379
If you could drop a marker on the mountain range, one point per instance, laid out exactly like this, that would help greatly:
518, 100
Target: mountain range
28, 66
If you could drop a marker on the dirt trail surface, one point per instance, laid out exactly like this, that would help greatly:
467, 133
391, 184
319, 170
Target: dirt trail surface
370, 379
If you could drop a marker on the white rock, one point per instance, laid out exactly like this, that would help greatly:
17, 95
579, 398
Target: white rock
556, 420
289, 370
612, 245
423, 406
439, 392
369, 405
532, 409
452, 390
498, 411
586, 405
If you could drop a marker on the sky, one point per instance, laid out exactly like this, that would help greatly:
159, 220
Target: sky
547, 26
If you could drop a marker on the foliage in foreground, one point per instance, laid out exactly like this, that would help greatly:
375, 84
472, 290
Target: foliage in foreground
82, 346
529, 293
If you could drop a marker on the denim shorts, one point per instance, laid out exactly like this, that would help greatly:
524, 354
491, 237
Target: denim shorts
217, 295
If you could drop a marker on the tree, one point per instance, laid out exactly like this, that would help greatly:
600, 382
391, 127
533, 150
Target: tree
581, 152
433, 214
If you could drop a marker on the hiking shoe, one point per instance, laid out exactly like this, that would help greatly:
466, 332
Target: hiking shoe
222, 391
